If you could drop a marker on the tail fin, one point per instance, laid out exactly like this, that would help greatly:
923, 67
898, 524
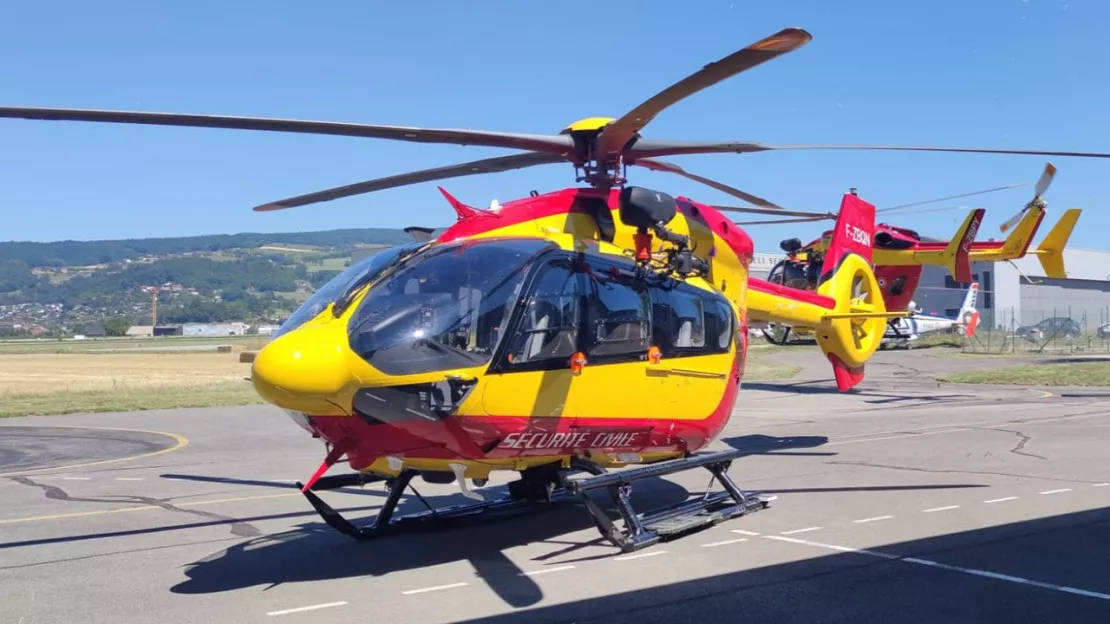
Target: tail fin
851, 333
957, 255
1051, 250
968, 314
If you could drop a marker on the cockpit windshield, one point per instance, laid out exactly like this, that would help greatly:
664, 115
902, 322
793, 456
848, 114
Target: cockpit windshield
360, 271
447, 309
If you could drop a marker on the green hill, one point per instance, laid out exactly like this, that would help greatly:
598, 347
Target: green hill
245, 277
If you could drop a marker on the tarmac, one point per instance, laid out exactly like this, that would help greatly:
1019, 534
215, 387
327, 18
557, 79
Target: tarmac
903, 501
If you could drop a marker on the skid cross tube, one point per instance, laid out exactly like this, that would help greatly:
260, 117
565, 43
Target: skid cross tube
645, 529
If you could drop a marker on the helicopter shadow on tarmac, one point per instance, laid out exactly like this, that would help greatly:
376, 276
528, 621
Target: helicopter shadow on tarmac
315, 552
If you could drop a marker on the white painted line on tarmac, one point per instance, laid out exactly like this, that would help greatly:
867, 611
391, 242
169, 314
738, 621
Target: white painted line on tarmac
1000, 500
76, 478
432, 589
934, 509
805, 530
129, 478
547, 570
640, 556
724, 543
326, 605
943, 566
875, 519
1100, 485
743, 532
1056, 491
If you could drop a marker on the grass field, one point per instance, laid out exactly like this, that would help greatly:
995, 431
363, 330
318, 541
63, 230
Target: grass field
60, 383
1094, 373
62, 377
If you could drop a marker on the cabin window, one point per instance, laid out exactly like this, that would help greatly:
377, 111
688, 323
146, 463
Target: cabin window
618, 315
689, 321
721, 323
550, 316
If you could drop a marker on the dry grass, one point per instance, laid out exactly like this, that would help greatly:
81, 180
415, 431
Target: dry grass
37, 374
60, 383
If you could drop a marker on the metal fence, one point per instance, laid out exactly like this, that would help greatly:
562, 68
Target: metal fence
1042, 328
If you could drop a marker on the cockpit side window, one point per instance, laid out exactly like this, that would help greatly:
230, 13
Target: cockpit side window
445, 311
618, 315
548, 331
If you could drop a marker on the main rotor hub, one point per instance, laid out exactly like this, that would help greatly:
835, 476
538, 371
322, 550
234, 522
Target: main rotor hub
598, 170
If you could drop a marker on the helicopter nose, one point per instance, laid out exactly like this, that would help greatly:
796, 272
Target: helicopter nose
301, 370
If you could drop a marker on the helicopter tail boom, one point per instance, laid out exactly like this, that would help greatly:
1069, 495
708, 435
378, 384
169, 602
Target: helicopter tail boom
847, 311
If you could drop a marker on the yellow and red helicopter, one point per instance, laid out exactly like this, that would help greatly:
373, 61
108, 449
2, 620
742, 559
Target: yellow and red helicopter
900, 254
578, 330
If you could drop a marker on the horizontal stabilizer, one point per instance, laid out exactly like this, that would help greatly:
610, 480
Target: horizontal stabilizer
864, 315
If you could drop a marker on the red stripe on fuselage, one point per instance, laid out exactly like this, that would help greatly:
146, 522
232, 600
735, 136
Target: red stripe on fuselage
523, 436
779, 290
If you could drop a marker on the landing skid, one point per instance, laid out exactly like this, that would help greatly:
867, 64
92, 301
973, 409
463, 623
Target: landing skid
550, 484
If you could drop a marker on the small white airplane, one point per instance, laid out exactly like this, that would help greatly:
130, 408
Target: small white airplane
904, 330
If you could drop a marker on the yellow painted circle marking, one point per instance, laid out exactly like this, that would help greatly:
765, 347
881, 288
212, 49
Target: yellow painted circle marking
180, 442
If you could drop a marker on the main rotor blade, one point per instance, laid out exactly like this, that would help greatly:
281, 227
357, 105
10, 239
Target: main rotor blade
654, 148
940, 199
776, 221
488, 165
554, 144
832, 217
618, 133
658, 165
776, 212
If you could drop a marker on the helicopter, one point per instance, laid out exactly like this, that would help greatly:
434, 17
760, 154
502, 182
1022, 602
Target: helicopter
901, 254
598, 329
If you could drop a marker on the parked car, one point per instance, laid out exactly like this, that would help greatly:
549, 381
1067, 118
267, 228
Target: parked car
1055, 327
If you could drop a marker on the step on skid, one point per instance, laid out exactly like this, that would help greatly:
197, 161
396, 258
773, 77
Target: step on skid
551, 484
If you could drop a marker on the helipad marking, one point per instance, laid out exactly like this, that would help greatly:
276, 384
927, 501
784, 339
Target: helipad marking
547, 570
941, 508
309, 608
724, 543
431, 589
805, 530
943, 566
640, 556
180, 442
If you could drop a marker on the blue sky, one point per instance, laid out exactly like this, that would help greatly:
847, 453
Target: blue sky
1000, 73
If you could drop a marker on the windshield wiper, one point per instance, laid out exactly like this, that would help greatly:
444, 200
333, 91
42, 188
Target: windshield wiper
344, 300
